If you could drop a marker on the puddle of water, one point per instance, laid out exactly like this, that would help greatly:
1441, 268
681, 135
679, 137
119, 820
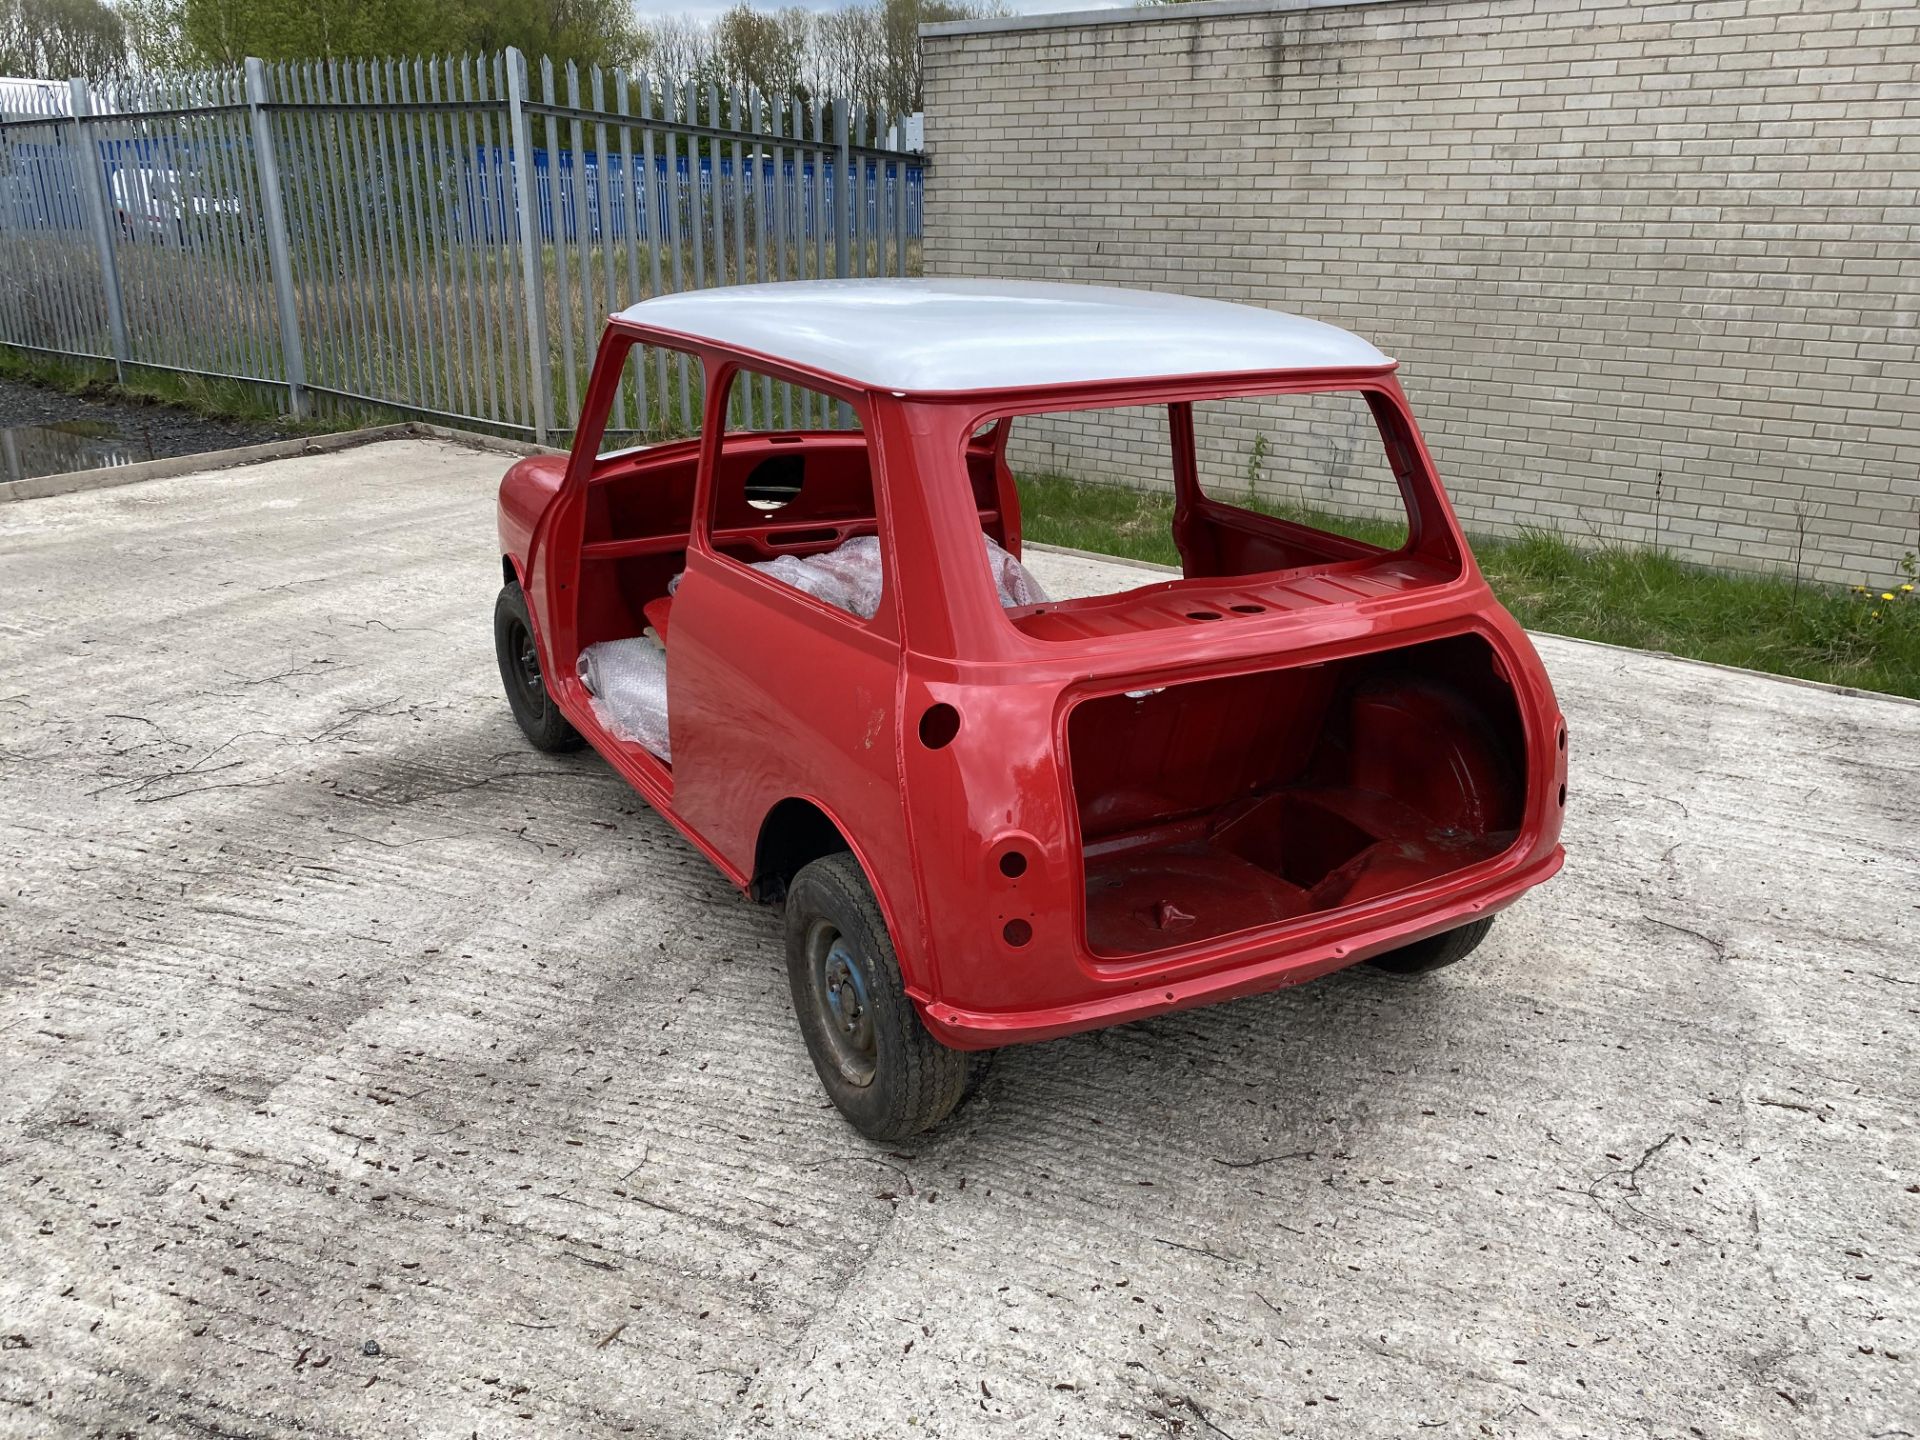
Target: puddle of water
92, 429
65, 445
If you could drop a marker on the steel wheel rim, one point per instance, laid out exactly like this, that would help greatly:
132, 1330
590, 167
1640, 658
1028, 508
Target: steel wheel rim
526, 660
841, 1004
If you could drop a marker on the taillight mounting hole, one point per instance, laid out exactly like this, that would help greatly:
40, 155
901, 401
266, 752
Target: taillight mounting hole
1016, 933
1013, 864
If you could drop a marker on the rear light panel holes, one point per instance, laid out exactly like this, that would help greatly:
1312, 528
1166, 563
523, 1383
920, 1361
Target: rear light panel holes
1016, 933
1010, 858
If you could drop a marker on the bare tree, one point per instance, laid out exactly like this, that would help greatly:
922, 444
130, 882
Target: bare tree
847, 54
679, 49
762, 50
58, 38
868, 52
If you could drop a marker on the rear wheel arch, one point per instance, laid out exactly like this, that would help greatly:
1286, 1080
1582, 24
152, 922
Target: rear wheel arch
510, 572
799, 830
795, 833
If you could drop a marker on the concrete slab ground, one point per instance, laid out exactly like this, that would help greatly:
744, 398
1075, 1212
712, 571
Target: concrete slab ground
363, 1073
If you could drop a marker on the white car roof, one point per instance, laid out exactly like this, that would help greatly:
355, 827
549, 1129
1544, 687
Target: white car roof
932, 336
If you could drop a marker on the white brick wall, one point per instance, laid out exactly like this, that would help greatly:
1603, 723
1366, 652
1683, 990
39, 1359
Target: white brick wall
1652, 270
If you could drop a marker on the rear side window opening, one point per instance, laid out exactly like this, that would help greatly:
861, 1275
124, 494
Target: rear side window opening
1321, 486
793, 493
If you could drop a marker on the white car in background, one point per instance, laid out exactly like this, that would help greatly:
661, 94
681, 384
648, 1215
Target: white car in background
154, 204
22, 99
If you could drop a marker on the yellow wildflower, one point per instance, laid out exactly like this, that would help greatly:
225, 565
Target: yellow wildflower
1886, 594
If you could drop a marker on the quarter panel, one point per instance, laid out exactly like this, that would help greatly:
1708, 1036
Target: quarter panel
776, 695
995, 790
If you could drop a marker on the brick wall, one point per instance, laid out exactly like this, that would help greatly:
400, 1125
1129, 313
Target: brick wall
1652, 270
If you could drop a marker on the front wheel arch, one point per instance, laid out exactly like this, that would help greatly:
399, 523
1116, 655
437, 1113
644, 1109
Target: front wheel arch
517, 648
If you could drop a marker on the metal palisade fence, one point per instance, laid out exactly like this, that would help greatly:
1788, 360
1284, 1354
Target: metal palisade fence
444, 237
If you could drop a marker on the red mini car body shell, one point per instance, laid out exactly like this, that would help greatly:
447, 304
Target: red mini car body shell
783, 706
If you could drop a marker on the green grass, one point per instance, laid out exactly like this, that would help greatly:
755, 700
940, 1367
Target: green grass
201, 395
1647, 599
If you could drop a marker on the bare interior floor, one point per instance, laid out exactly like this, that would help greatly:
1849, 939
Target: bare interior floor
332, 1017
1220, 806
1185, 882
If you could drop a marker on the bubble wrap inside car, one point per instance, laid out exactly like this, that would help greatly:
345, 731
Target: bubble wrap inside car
628, 681
628, 678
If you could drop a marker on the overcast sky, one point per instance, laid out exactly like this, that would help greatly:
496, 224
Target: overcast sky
708, 9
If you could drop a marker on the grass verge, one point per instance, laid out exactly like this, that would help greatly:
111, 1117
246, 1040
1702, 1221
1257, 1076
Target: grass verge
1647, 599
198, 394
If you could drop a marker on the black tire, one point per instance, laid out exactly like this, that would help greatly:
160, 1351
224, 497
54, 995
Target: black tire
880, 1067
533, 707
1435, 952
